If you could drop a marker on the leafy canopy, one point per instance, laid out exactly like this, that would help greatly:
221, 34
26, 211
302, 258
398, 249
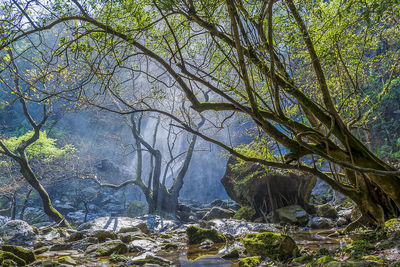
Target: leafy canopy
44, 148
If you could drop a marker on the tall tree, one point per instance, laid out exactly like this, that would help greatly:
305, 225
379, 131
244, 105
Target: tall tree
241, 52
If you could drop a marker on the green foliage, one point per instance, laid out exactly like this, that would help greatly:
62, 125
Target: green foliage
44, 148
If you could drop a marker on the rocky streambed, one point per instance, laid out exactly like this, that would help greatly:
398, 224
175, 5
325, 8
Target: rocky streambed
155, 241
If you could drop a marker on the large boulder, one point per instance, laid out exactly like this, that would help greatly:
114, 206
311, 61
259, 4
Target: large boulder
269, 244
238, 227
247, 184
18, 232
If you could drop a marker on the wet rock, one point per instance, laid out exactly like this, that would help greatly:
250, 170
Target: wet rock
218, 213
107, 248
269, 244
321, 223
18, 233
197, 235
248, 185
149, 259
66, 260
234, 253
293, 214
142, 246
250, 261
327, 211
238, 227
10, 259
25, 254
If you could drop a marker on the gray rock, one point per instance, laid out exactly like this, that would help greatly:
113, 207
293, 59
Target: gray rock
142, 246
107, 248
238, 227
321, 223
293, 214
346, 213
149, 259
146, 223
18, 233
83, 244
218, 213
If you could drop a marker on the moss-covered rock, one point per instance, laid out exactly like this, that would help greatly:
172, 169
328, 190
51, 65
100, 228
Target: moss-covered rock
374, 259
41, 250
392, 225
359, 248
107, 248
245, 213
103, 235
234, 253
115, 258
66, 260
27, 255
327, 211
322, 260
303, 258
269, 244
197, 235
250, 261
6, 258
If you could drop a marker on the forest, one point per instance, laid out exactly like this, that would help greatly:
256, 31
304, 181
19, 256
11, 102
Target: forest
200, 133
